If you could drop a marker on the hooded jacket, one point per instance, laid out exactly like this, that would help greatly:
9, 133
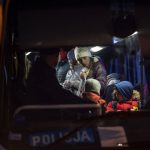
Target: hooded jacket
97, 71
73, 79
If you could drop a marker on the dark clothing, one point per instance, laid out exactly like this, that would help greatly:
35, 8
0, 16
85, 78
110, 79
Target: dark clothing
108, 95
61, 70
97, 71
43, 87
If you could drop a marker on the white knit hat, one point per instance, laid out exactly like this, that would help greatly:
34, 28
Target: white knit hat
82, 52
92, 85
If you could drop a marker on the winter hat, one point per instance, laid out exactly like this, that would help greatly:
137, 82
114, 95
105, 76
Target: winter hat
125, 88
113, 78
71, 55
92, 85
82, 52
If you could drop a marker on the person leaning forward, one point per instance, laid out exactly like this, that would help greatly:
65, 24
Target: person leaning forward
42, 84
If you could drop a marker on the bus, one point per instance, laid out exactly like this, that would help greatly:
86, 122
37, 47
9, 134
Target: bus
40, 108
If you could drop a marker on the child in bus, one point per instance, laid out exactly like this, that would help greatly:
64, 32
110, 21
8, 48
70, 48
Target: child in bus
112, 79
92, 92
123, 100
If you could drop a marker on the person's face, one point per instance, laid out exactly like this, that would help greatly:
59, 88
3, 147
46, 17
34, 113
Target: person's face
119, 96
85, 61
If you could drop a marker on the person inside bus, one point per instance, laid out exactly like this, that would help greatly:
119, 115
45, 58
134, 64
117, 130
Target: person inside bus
94, 66
62, 66
73, 79
92, 92
43, 86
123, 100
112, 79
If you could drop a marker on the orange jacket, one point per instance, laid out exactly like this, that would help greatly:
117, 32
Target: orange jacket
94, 98
122, 106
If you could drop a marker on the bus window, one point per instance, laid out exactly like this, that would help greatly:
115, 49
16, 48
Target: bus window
74, 75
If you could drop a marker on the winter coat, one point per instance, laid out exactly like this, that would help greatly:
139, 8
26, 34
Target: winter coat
94, 97
73, 79
108, 95
122, 106
74, 74
97, 71
43, 87
61, 70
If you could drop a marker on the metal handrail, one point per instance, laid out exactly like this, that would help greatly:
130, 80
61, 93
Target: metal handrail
61, 106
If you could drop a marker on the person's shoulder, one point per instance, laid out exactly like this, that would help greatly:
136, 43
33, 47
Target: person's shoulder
97, 61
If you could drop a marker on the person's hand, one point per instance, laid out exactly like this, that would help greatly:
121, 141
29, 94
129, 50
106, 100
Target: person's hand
83, 75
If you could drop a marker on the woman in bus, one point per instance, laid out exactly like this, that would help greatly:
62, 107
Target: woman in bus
93, 66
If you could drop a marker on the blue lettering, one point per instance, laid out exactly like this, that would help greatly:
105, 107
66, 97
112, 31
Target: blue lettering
35, 140
45, 139
77, 138
85, 137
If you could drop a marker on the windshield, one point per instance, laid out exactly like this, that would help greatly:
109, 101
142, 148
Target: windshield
84, 75
106, 72
70, 72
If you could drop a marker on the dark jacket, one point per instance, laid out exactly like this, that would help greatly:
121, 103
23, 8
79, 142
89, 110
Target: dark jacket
108, 95
98, 72
61, 70
43, 87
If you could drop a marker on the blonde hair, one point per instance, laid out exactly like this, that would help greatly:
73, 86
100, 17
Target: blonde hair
136, 95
